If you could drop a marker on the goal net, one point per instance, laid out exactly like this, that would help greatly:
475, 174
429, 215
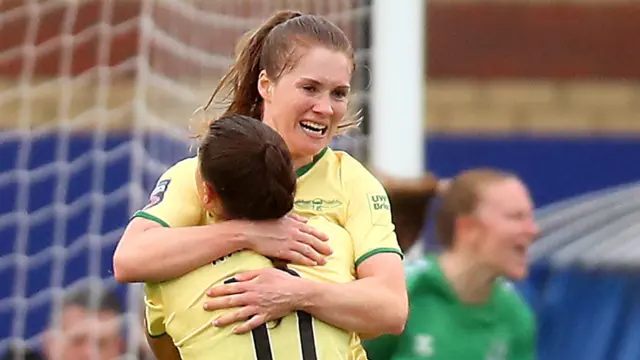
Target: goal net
95, 97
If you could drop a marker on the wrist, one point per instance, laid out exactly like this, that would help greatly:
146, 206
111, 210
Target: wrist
309, 294
232, 230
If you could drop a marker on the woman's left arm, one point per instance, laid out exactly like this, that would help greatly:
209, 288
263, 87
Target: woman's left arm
376, 303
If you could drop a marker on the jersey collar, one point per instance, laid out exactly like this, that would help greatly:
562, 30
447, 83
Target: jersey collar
305, 169
446, 286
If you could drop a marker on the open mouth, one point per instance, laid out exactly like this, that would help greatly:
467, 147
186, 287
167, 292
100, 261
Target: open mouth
314, 128
520, 250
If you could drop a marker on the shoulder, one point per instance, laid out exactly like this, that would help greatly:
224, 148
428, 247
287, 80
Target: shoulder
349, 164
355, 175
508, 295
182, 173
513, 304
179, 178
188, 165
418, 266
420, 272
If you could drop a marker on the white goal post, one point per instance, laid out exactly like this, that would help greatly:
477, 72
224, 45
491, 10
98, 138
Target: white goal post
398, 90
95, 97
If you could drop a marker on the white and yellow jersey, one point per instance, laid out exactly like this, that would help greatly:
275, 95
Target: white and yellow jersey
338, 195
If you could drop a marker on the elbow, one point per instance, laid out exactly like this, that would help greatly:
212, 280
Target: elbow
396, 325
397, 318
123, 271
401, 315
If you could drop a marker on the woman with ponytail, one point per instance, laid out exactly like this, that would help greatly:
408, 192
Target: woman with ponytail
294, 74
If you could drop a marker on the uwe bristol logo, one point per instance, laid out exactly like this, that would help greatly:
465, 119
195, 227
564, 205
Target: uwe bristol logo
379, 202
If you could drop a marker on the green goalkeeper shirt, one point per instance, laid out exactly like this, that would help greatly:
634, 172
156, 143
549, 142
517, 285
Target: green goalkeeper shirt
441, 327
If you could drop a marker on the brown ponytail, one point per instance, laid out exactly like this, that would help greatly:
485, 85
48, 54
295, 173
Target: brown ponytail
241, 81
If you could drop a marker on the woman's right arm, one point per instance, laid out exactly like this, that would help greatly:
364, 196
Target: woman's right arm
163, 242
150, 252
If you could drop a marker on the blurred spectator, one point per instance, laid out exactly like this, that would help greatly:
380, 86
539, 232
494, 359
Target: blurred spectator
411, 203
485, 224
87, 327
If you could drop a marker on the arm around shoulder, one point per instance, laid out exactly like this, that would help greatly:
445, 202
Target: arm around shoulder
150, 252
163, 240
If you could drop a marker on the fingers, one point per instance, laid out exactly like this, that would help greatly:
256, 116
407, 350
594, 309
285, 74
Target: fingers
307, 229
249, 275
310, 230
300, 259
232, 317
299, 218
309, 249
315, 239
251, 324
307, 252
226, 302
303, 254
227, 289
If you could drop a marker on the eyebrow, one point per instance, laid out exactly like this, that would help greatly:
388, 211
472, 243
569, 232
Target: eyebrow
318, 82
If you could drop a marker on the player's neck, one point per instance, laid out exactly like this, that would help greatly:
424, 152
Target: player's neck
471, 281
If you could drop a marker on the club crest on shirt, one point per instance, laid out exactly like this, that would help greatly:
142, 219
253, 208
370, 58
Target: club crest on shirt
498, 350
158, 193
317, 205
423, 345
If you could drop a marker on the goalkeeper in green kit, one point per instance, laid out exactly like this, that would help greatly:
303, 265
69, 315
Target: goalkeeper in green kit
461, 305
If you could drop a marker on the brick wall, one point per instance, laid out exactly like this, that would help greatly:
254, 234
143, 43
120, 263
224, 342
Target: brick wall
570, 67
545, 66
538, 106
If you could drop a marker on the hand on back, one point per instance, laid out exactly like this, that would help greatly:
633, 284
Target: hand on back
290, 239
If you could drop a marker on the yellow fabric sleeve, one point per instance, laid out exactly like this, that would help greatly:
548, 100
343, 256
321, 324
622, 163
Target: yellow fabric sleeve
174, 202
368, 214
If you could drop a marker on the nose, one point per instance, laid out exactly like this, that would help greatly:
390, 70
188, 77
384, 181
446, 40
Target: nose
534, 230
323, 105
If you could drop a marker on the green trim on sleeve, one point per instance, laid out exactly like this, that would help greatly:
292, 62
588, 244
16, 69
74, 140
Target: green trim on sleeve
144, 215
378, 251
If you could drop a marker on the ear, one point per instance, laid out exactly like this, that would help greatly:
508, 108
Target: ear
265, 86
466, 226
209, 195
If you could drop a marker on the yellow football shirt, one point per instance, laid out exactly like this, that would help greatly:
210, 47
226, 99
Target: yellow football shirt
338, 195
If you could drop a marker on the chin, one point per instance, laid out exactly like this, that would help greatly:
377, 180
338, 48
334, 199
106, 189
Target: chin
310, 149
516, 272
